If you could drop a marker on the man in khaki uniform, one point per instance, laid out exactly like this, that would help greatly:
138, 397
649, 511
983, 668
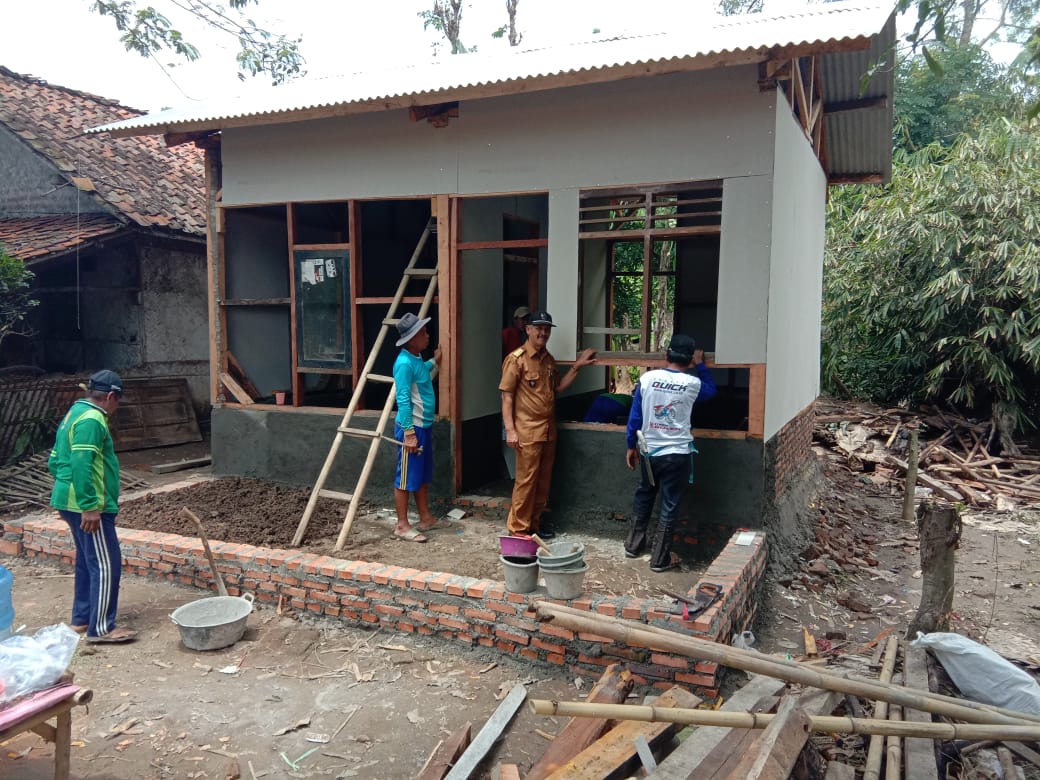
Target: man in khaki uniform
530, 383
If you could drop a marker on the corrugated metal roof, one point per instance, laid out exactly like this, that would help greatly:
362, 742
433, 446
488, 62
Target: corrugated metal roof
849, 36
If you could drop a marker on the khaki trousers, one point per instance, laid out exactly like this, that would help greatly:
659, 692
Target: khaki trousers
534, 463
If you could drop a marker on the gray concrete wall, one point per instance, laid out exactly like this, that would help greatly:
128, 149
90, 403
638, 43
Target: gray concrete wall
176, 318
592, 483
32, 186
291, 448
796, 275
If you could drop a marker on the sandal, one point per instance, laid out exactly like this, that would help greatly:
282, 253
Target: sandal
119, 636
411, 535
673, 563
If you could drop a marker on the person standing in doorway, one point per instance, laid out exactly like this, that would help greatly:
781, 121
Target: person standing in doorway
661, 410
513, 336
413, 385
529, 386
86, 495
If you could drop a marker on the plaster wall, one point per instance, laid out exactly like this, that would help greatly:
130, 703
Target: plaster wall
32, 186
744, 273
796, 275
491, 148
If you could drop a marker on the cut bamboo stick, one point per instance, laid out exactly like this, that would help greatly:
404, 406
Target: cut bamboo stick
827, 724
692, 647
872, 770
894, 747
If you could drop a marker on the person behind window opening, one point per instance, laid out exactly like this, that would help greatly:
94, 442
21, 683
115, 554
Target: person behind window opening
530, 384
86, 495
413, 386
514, 335
609, 409
661, 410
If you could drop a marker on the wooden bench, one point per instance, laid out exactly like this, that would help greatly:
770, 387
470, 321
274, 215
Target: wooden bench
33, 712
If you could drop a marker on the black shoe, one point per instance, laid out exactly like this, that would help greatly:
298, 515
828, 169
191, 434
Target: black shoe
632, 554
547, 533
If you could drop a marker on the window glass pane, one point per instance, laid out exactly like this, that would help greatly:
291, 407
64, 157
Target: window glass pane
322, 314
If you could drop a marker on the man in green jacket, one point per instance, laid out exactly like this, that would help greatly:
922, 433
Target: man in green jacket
86, 494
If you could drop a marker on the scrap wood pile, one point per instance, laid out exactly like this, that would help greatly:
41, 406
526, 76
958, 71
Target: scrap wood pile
28, 483
793, 719
956, 455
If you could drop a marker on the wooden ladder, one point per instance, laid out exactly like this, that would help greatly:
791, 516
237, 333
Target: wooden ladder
411, 272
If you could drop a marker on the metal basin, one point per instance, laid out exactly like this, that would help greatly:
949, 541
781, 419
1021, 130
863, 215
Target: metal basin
209, 624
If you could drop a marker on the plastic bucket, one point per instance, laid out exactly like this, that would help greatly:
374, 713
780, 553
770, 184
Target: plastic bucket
521, 573
6, 607
565, 555
565, 583
517, 545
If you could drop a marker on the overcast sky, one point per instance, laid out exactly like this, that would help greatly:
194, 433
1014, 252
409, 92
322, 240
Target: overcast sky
65, 43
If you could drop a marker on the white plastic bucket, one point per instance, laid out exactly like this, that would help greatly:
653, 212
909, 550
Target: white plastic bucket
521, 573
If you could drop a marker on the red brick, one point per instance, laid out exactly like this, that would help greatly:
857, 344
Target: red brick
501, 606
551, 647
582, 603
527, 652
460, 625
480, 614
478, 589
594, 638
669, 660
439, 582
695, 679
446, 609
387, 609
512, 636
555, 659
562, 633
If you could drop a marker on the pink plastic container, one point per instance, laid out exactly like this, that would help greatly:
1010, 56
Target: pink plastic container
516, 545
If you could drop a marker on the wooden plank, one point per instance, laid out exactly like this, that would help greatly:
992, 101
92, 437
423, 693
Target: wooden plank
685, 759
613, 688
235, 388
154, 413
614, 755
215, 286
919, 752
181, 465
775, 752
297, 382
506, 772
445, 754
488, 735
519, 243
757, 400
924, 479
236, 370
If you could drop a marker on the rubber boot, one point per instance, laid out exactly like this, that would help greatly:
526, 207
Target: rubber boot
636, 540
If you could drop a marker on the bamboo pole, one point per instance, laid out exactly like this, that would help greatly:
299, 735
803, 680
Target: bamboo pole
872, 770
894, 747
692, 647
909, 487
825, 724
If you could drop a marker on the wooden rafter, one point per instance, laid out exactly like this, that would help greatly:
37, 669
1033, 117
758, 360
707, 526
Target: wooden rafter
437, 115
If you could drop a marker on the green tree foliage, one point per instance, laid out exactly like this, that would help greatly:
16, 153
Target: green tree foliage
148, 32
15, 297
446, 18
932, 283
959, 22
967, 90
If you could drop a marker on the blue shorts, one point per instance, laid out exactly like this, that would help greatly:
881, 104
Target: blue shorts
414, 469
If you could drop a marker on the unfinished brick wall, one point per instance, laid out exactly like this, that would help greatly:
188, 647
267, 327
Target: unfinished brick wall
475, 612
789, 451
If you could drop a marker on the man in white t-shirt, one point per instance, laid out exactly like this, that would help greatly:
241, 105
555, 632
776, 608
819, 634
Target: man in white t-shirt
661, 410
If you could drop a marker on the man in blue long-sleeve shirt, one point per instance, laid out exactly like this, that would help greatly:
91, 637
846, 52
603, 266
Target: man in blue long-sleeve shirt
661, 410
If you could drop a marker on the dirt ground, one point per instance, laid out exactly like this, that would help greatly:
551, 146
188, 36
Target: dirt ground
264, 514
162, 711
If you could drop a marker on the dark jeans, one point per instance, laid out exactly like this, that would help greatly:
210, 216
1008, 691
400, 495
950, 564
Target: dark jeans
671, 475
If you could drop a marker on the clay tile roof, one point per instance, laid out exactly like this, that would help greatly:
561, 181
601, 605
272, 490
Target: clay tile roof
33, 238
140, 177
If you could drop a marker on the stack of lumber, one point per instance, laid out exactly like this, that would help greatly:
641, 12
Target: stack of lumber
956, 463
28, 483
869, 719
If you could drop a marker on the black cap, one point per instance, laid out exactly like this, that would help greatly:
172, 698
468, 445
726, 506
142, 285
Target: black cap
105, 381
540, 317
682, 345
